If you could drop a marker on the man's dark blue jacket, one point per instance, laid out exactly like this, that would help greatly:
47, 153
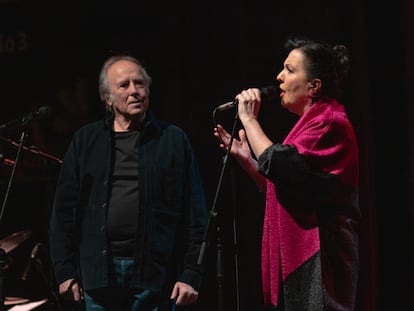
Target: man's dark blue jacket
172, 208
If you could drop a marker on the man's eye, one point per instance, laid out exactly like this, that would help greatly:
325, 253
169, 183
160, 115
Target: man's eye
140, 84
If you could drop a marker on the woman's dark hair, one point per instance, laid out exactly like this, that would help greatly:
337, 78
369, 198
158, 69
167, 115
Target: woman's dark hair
329, 63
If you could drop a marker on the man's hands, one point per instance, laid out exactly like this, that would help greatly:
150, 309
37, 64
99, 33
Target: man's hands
184, 294
70, 290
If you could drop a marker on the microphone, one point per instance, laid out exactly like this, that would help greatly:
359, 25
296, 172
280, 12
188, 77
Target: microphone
266, 93
44, 111
29, 263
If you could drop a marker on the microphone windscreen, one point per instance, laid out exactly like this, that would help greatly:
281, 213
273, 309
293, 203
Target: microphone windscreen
44, 111
269, 93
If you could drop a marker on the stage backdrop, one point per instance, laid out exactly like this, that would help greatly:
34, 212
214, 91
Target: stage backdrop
201, 55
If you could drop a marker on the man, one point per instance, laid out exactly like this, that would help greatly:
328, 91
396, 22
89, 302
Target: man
129, 211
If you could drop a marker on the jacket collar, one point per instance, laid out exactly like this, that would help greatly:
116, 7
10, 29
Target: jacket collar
149, 124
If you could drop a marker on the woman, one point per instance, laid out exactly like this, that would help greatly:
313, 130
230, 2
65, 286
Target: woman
310, 243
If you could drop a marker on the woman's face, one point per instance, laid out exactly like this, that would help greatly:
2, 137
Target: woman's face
296, 89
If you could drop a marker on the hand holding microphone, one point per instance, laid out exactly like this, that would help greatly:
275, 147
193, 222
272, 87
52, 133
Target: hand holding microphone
240, 147
267, 93
249, 108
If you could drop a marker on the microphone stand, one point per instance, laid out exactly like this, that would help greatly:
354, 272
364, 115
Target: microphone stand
3, 263
2, 252
24, 122
20, 146
19, 151
210, 224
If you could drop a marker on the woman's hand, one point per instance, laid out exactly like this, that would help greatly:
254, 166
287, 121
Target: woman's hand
240, 147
